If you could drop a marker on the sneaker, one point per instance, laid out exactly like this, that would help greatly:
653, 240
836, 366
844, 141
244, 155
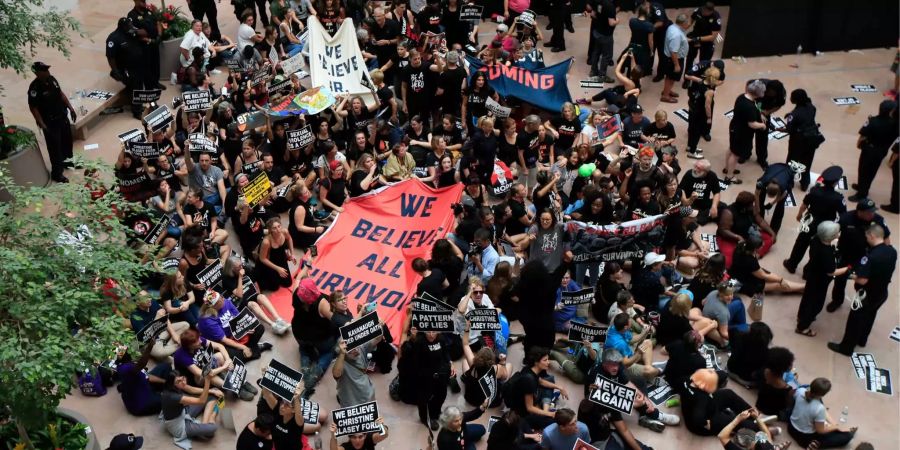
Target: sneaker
652, 424
707, 137
695, 155
249, 387
264, 346
669, 419
246, 396
215, 71
790, 267
607, 79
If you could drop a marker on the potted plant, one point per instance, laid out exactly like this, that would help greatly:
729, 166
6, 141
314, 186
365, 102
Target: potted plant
60, 249
174, 26
65, 430
21, 156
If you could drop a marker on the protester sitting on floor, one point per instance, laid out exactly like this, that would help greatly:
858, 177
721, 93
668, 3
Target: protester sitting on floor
189, 412
625, 304
811, 421
738, 222
776, 395
606, 293
707, 407
707, 278
215, 325
237, 285
147, 310
456, 428
753, 278
196, 353
715, 307
684, 359
312, 329
531, 390
679, 318
290, 428
649, 284
749, 352
139, 395
476, 366
565, 431
179, 302
750, 439
563, 315
257, 435
639, 361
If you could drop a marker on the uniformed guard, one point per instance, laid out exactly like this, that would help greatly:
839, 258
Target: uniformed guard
873, 276
852, 244
875, 138
48, 105
148, 33
124, 55
820, 204
707, 25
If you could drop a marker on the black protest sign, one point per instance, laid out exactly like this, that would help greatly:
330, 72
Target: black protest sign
211, 275
579, 332
157, 230
169, 264
196, 101
249, 290
298, 139
280, 87
440, 321
159, 119
140, 96
879, 380
426, 304
684, 114
261, 76
235, 377
362, 330
588, 84
844, 101
471, 12
570, 298
488, 384
135, 187
862, 362
527, 18
613, 395
310, 411
281, 380
202, 144
152, 329
709, 354
147, 150
356, 419
895, 334
251, 120
485, 319
234, 64
99, 95
863, 88
203, 357
711, 240
133, 135
661, 393
243, 324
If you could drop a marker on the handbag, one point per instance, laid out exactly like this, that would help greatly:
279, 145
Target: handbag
90, 383
755, 311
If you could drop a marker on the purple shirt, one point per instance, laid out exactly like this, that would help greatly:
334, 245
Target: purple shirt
217, 328
201, 357
135, 387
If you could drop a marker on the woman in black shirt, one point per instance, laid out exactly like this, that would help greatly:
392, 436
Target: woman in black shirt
333, 190
749, 352
366, 177
707, 278
565, 128
475, 98
507, 150
302, 223
608, 287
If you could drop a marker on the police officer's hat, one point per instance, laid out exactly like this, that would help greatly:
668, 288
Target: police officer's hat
39, 66
866, 205
832, 174
124, 21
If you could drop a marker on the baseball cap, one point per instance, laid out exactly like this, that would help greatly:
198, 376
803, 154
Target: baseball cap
39, 66
126, 442
653, 258
832, 174
866, 205
636, 109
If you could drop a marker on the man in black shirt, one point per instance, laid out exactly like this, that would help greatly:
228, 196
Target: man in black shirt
873, 275
386, 34
49, 107
521, 218
603, 24
823, 203
125, 58
418, 87
852, 243
257, 435
707, 25
700, 188
451, 84
875, 138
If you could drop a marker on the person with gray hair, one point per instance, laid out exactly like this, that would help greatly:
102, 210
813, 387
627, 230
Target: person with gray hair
527, 143
822, 268
744, 123
675, 50
451, 84
456, 428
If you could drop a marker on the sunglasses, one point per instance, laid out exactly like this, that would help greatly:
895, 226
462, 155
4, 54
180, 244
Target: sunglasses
477, 292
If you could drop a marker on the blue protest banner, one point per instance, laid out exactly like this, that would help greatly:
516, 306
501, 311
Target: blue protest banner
545, 88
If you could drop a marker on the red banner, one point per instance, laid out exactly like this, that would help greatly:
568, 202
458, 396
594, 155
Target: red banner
369, 249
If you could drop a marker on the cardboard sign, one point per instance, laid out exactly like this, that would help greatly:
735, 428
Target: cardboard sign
243, 324
471, 12
661, 393
613, 395
299, 139
293, 64
879, 380
711, 239
427, 304
159, 119
485, 319
488, 384
498, 110
152, 330
579, 332
527, 18
141, 96
362, 330
250, 121
863, 88
356, 419
196, 101
136, 135
99, 95
281, 380
440, 321
153, 235
202, 144
571, 298
844, 101
261, 76
581, 445
147, 150
861, 363
257, 189
211, 275
683, 113
235, 377
895, 334
310, 411
588, 84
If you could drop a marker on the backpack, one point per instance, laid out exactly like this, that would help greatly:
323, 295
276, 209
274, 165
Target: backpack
507, 389
90, 382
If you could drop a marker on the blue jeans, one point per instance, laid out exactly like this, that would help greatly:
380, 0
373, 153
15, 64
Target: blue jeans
323, 351
472, 433
293, 49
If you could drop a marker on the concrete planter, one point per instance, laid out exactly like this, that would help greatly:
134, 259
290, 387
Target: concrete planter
93, 443
26, 167
168, 57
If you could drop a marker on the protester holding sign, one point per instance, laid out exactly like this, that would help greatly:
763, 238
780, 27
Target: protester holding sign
456, 431
140, 396
185, 416
433, 370
238, 285
290, 427
359, 441
563, 313
195, 355
478, 365
147, 310
215, 325
353, 384
199, 212
179, 302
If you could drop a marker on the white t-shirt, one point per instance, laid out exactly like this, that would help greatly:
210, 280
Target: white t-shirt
322, 162
190, 42
245, 36
806, 412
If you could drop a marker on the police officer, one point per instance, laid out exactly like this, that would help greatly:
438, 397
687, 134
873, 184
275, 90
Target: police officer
707, 24
148, 33
873, 276
820, 204
124, 55
875, 138
852, 244
771, 190
48, 105
894, 164
661, 23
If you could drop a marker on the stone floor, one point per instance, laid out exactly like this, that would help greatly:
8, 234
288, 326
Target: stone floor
824, 77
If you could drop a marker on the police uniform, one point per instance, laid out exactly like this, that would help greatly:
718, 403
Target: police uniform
876, 267
558, 10
703, 26
879, 132
47, 97
657, 16
782, 175
822, 203
852, 245
143, 21
123, 47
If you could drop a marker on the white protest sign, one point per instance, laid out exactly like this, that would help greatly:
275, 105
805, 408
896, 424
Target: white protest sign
336, 61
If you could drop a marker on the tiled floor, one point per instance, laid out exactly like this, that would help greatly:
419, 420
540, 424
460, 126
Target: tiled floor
824, 77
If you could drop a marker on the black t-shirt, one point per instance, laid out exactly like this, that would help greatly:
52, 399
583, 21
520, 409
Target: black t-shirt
671, 327
526, 384
429, 19
663, 133
450, 80
745, 111
705, 187
432, 284
604, 11
640, 30
742, 268
568, 130
528, 142
451, 137
513, 225
878, 267
705, 25
368, 444
248, 440
418, 84
476, 99
287, 436
203, 215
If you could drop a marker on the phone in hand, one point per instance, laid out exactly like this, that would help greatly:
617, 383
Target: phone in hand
313, 251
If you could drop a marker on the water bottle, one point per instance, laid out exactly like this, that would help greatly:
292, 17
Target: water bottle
844, 413
799, 50
317, 441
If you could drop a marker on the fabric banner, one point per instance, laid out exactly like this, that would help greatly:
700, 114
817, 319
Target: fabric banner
368, 249
545, 88
618, 242
336, 62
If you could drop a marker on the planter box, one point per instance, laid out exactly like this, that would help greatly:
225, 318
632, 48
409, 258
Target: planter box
93, 443
26, 167
168, 57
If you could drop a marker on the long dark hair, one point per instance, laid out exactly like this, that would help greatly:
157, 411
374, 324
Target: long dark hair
799, 97
713, 270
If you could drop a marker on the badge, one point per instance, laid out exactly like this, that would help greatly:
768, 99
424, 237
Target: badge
32, 93
864, 260
109, 44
